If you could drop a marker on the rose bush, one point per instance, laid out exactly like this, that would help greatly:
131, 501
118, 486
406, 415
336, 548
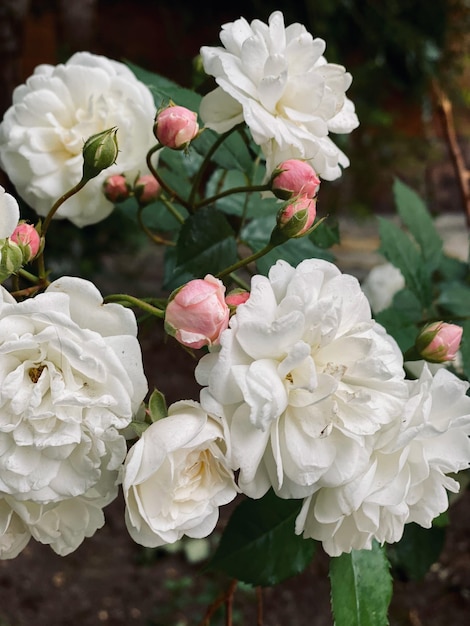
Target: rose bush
54, 112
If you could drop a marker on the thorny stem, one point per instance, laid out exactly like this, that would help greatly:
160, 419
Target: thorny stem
68, 194
226, 597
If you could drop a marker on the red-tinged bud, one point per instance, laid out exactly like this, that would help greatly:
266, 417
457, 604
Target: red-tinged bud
293, 178
28, 239
176, 126
146, 189
297, 218
235, 298
116, 188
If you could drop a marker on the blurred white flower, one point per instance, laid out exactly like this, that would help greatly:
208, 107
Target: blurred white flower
381, 284
9, 213
71, 377
54, 112
277, 81
407, 479
304, 377
176, 476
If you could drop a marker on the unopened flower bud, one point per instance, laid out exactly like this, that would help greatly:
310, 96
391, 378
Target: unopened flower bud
11, 258
235, 298
116, 188
28, 239
146, 189
297, 218
99, 152
176, 126
439, 342
294, 178
197, 314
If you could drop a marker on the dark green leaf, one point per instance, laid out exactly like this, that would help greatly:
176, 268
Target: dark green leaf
418, 220
326, 235
399, 325
174, 277
465, 348
401, 251
233, 153
259, 545
206, 243
361, 588
416, 551
455, 299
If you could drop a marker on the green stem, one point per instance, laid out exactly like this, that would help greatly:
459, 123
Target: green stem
152, 236
31, 277
68, 194
171, 192
229, 192
133, 301
215, 146
249, 259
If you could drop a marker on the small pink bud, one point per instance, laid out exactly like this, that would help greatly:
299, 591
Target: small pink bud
439, 342
176, 126
147, 189
235, 298
294, 178
116, 188
197, 314
297, 218
27, 237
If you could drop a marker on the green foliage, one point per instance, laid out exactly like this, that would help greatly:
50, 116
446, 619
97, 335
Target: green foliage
361, 587
259, 545
416, 551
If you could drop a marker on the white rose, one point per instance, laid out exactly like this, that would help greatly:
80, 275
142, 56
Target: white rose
71, 377
277, 81
381, 284
304, 377
54, 112
9, 213
407, 479
176, 476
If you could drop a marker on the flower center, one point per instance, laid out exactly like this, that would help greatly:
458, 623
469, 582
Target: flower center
35, 373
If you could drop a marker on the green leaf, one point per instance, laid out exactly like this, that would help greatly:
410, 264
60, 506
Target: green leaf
206, 243
455, 299
233, 153
157, 406
465, 349
401, 251
259, 545
399, 326
164, 89
326, 235
174, 277
416, 551
361, 587
418, 220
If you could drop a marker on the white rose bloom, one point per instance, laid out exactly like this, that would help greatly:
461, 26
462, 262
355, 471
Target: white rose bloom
71, 377
381, 284
54, 112
9, 213
407, 478
277, 81
176, 476
304, 377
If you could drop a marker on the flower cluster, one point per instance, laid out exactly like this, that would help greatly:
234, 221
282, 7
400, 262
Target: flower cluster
303, 392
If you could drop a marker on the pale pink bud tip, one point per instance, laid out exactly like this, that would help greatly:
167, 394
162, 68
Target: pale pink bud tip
439, 342
116, 188
147, 189
26, 236
197, 314
236, 298
297, 218
176, 126
293, 178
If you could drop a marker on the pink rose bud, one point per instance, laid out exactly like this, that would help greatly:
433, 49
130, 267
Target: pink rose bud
294, 178
439, 342
176, 126
235, 298
27, 237
116, 188
197, 314
297, 218
147, 189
